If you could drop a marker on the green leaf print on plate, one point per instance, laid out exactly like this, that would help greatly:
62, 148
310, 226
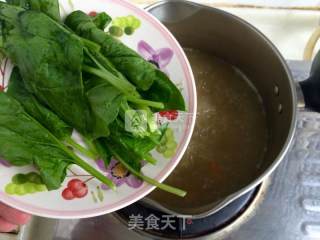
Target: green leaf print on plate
127, 25
22, 184
98, 195
168, 144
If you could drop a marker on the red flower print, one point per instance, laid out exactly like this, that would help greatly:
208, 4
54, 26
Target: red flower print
92, 14
170, 115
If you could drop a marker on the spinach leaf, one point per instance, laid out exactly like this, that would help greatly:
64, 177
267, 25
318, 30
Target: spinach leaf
105, 102
50, 61
141, 146
103, 151
24, 141
20, 3
102, 20
9, 14
129, 157
163, 88
124, 59
150, 81
39, 112
49, 7
108, 74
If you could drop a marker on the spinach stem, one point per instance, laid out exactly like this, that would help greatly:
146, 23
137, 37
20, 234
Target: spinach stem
117, 79
105, 65
114, 81
80, 148
150, 159
94, 172
89, 169
149, 180
80, 162
83, 164
90, 145
159, 105
90, 45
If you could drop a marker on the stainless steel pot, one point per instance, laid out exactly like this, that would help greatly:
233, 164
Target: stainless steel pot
239, 43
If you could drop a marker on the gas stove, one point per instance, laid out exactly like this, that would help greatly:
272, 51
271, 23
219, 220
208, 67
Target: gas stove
161, 225
285, 207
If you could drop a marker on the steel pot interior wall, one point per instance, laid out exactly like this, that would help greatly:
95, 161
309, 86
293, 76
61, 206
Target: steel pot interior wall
240, 44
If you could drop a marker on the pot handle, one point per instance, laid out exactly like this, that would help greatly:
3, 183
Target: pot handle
311, 86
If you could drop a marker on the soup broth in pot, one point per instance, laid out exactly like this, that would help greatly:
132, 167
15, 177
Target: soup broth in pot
229, 140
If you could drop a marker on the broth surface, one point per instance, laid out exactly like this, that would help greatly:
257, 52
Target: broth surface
229, 140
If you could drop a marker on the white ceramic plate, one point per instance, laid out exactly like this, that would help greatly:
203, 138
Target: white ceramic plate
154, 42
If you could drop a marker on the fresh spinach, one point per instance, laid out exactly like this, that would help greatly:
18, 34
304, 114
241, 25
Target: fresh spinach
107, 74
49, 7
56, 77
103, 152
105, 102
141, 146
24, 141
42, 114
50, 61
163, 88
150, 81
121, 56
39, 112
102, 20
130, 157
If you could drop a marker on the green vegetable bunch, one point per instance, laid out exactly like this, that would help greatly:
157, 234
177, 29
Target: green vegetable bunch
74, 76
